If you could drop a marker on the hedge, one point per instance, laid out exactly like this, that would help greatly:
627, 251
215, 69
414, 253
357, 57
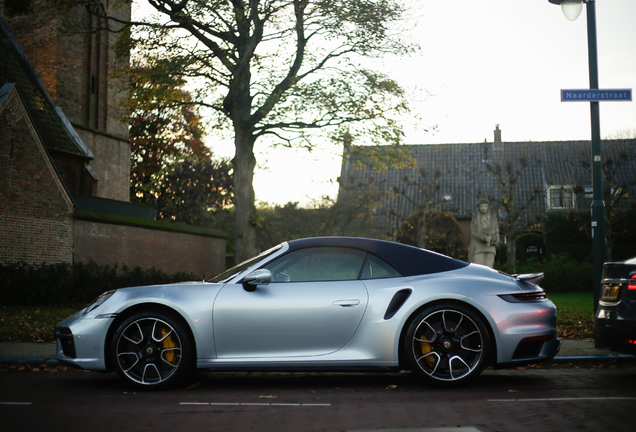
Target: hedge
562, 273
65, 284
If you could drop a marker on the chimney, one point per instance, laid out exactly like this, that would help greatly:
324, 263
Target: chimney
498, 144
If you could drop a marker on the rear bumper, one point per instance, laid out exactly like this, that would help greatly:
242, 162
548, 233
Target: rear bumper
533, 350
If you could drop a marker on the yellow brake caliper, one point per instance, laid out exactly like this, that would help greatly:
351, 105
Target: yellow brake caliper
169, 355
426, 348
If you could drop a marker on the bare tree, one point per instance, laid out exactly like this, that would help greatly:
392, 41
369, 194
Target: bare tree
519, 204
424, 194
282, 69
618, 168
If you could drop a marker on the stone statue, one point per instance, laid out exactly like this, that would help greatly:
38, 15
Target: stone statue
484, 235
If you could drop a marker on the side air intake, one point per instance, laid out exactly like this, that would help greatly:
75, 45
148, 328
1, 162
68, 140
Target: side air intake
396, 302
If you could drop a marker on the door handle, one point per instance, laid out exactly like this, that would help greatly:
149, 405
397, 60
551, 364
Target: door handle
346, 303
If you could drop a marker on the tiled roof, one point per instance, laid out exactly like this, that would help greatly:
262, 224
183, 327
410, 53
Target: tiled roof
56, 132
456, 175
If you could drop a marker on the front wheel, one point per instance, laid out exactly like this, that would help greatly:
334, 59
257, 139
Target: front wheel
447, 345
151, 350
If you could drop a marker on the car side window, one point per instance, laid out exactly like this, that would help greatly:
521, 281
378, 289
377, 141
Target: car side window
317, 264
376, 268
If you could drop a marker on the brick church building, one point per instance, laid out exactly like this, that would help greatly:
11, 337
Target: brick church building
65, 153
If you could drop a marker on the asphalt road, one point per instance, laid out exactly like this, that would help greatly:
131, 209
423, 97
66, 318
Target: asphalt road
589, 398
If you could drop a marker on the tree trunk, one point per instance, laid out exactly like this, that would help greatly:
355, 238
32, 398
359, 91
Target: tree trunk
512, 254
245, 212
420, 230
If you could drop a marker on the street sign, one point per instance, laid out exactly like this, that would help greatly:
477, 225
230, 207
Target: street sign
596, 95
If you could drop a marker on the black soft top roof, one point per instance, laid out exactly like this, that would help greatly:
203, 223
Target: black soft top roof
408, 260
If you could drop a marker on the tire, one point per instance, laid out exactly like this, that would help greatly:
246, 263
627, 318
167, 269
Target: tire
447, 345
152, 350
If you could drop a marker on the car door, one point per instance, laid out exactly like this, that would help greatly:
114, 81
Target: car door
313, 306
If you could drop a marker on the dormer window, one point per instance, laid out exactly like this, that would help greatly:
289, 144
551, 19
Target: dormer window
561, 197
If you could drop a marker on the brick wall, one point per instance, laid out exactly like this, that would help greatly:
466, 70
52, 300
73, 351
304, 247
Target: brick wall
169, 252
111, 163
36, 222
76, 63
77, 66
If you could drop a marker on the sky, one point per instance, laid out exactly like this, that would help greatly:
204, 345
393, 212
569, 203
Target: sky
482, 63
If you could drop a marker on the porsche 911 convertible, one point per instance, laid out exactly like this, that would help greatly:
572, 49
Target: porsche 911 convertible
319, 304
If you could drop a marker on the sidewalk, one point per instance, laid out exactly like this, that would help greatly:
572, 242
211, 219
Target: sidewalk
571, 350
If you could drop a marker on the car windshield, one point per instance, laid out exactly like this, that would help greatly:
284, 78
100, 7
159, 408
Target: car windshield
230, 273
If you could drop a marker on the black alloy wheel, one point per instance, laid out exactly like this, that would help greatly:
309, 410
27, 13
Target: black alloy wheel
151, 350
447, 345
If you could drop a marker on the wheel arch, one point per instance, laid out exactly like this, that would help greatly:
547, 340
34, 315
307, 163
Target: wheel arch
492, 355
146, 307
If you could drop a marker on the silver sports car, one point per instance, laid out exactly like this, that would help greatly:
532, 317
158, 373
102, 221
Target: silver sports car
319, 304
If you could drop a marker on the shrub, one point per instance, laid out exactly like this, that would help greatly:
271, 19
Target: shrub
530, 240
561, 273
64, 284
565, 274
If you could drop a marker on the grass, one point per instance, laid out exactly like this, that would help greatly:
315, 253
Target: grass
575, 319
35, 324
32, 323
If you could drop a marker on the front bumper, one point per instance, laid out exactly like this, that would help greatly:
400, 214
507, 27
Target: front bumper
81, 342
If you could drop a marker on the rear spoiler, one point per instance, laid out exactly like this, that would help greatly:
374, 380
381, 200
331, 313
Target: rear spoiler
531, 278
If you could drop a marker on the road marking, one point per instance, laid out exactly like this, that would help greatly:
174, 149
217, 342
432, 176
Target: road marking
16, 403
561, 399
255, 404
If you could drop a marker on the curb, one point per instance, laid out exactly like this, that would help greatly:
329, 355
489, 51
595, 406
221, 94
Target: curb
30, 360
598, 357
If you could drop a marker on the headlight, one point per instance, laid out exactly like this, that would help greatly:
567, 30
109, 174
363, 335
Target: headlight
99, 301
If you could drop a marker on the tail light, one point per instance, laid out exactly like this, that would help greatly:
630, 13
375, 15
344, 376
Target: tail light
632, 283
524, 297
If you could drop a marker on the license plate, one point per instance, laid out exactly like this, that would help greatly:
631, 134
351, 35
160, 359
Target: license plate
610, 292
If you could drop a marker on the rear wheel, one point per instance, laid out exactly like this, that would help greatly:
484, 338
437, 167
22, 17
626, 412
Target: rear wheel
151, 350
447, 345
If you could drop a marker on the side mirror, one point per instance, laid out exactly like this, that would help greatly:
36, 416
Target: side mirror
257, 277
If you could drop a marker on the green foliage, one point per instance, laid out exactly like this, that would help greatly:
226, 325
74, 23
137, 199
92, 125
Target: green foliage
566, 228
292, 71
624, 226
568, 232
575, 317
530, 240
159, 225
18, 7
443, 233
562, 273
32, 323
353, 217
165, 127
195, 192
63, 284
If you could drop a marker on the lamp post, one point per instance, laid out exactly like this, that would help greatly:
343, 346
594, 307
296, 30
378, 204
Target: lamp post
572, 9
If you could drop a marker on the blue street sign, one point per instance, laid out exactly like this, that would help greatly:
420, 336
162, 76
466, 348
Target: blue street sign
596, 95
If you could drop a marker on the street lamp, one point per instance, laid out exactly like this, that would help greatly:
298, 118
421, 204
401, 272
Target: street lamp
572, 9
